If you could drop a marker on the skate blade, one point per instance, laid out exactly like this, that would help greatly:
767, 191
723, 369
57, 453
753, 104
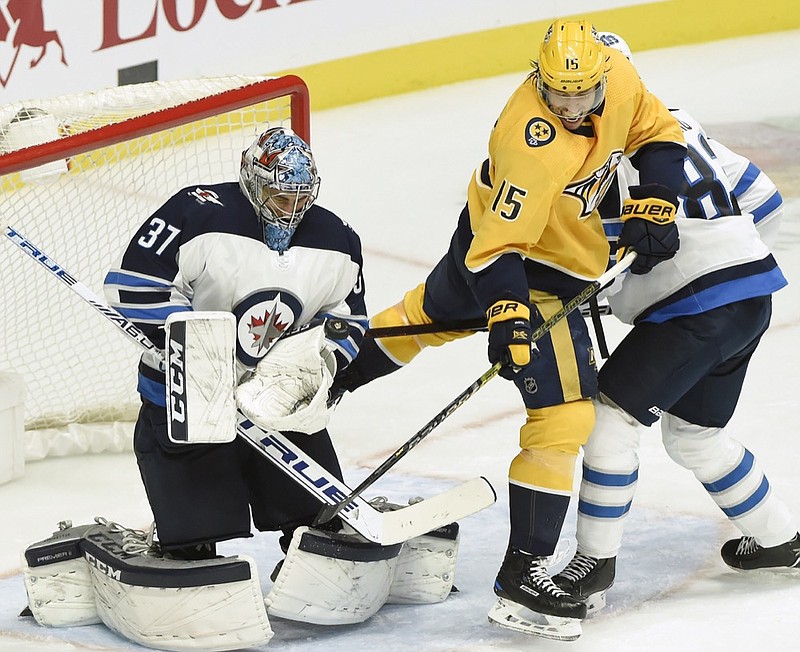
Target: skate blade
769, 571
516, 617
595, 602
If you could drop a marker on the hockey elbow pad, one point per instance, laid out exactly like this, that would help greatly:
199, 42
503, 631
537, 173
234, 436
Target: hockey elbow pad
649, 226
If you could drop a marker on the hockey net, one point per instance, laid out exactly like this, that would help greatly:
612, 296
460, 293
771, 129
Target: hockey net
78, 175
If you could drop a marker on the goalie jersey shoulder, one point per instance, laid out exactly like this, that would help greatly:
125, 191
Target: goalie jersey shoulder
200, 211
323, 229
222, 208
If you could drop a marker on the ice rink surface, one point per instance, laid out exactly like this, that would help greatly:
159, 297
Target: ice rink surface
397, 170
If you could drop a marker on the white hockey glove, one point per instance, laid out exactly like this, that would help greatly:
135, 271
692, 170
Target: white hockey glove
289, 388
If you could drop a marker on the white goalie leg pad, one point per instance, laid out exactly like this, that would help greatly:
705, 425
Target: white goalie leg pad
332, 578
426, 567
58, 581
200, 352
213, 604
289, 388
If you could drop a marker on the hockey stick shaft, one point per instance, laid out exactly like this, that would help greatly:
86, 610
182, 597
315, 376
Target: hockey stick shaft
130, 330
327, 513
403, 330
382, 528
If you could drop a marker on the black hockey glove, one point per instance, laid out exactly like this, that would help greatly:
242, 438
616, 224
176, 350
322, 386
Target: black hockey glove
649, 226
509, 336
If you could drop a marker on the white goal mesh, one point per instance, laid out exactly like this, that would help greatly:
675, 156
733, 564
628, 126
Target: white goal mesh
78, 175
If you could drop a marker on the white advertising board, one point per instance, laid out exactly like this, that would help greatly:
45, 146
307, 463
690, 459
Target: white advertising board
52, 47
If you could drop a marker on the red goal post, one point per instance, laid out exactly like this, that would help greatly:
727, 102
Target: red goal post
78, 175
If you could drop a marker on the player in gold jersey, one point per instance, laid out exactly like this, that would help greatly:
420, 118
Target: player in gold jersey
528, 240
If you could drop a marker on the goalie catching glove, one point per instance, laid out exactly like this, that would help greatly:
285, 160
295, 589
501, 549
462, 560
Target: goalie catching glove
288, 390
649, 226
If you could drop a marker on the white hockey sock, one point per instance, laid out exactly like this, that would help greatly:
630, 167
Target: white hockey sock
732, 477
610, 473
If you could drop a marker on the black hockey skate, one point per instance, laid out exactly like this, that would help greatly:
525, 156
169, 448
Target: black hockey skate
587, 579
745, 554
530, 602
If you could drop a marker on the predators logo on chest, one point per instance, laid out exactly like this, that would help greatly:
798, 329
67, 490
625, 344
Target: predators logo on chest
590, 190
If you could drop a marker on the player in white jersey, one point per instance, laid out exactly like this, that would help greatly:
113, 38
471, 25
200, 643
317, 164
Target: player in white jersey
697, 320
262, 249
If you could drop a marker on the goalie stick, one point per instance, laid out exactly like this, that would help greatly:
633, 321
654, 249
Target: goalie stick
384, 528
327, 513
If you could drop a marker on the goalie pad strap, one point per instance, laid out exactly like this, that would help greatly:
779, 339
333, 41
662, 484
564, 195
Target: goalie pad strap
106, 554
345, 547
449, 532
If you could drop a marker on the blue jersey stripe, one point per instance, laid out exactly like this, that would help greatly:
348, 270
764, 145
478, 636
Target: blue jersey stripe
758, 285
152, 390
159, 313
747, 180
131, 280
767, 207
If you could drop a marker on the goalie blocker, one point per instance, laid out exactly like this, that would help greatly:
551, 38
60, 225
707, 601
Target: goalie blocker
201, 376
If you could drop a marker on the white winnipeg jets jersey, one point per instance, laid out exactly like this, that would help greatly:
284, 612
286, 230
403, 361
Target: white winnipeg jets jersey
722, 257
202, 250
754, 191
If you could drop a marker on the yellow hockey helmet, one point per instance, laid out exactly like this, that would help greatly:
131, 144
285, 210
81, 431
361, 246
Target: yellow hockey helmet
572, 65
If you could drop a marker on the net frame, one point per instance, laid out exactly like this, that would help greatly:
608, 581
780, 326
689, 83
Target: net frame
125, 132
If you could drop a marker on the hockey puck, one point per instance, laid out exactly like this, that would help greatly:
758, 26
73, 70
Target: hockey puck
336, 329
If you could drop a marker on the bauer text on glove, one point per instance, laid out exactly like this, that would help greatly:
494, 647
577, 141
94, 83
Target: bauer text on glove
509, 335
649, 226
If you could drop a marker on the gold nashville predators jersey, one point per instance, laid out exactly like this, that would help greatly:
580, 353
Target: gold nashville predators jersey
538, 192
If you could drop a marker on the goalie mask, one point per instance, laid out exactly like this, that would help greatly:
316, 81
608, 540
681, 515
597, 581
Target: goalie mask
570, 74
279, 177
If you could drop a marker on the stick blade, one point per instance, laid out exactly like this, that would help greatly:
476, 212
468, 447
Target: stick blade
437, 511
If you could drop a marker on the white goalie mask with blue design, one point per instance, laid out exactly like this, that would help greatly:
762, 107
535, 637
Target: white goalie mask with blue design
279, 177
